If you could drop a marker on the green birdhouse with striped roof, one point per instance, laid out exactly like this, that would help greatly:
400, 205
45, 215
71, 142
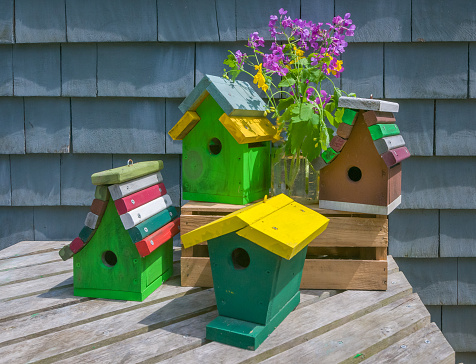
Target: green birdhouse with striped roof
225, 141
124, 250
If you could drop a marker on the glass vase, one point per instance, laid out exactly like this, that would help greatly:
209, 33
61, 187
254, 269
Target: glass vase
295, 177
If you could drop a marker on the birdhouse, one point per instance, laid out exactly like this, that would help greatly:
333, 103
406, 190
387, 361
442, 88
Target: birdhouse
361, 171
124, 250
225, 143
257, 256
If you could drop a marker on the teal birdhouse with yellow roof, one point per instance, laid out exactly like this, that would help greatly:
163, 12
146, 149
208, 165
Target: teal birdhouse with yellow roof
225, 143
257, 256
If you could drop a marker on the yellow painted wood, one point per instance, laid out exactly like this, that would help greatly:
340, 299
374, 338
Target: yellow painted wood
235, 221
184, 125
248, 129
278, 224
286, 231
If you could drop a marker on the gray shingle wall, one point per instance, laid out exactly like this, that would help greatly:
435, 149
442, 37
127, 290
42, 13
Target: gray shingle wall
86, 85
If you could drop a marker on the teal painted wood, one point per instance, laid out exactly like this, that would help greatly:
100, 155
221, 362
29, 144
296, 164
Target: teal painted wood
37, 22
457, 232
12, 132
36, 70
120, 133
76, 171
17, 225
58, 222
35, 180
244, 334
420, 81
6, 21
78, 77
47, 125
459, 327
86, 234
275, 279
466, 281
140, 231
5, 185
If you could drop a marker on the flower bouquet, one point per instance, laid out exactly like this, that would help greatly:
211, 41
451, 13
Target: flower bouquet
304, 55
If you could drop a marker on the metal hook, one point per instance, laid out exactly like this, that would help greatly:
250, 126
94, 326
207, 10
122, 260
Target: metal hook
130, 162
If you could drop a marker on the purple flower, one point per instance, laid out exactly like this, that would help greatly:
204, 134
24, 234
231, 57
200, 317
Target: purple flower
240, 58
272, 25
282, 11
255, 40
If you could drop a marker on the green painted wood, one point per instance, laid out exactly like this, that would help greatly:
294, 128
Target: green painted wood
244, 334
378, 131
349, 116
152, 224
260, 301
131, 275
65, 253
126, 173
238, 174
329, 154
86, 234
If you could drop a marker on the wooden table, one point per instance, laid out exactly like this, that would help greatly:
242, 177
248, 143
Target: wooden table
41, 321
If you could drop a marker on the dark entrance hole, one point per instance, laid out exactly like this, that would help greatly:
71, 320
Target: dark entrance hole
355, 174
240, 258
214, 146
109, 259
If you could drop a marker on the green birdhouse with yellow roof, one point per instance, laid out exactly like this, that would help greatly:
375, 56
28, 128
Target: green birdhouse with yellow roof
257, 257
225, 143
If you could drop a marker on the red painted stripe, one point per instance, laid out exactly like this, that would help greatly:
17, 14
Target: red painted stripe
139, 198
76, 245
157, 238
395, 156
98, 207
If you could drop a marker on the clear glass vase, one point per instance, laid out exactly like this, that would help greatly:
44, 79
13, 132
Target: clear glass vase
295, 177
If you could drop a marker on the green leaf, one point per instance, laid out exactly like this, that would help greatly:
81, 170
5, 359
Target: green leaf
315, 120
306, 111
303, 62
329, 117
338, 116
287, 82
284, 103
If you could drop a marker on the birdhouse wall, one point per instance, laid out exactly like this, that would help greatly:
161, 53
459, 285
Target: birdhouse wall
216, 168
255, 293
359, 174
110, 266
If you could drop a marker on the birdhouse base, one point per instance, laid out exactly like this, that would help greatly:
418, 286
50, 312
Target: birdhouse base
244, 334
358, 207
124, 295
350, 254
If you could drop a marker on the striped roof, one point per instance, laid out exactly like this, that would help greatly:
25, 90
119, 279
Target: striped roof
141, 201
380, 121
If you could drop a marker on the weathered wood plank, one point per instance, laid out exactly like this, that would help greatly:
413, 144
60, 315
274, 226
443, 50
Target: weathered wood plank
341, 345
18, 275
29, 260
126, 173
142, 213
34, 287
427, 345
367, 104
29, 247
317, 273
127, 188
304, 324
109, 329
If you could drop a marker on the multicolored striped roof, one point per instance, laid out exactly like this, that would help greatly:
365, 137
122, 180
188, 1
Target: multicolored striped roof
141, 201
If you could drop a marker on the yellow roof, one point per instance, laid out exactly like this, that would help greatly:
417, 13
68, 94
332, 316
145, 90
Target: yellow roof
184, 125
248, 129
279, 224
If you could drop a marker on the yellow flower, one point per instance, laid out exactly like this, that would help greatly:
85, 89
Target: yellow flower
259, 78
336, 68
299, 52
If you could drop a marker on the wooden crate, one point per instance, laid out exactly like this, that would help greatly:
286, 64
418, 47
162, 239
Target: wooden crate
350, 254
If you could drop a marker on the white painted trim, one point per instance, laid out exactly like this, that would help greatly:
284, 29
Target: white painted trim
91, 220
129, 187
367, 104
142, 213
358, 207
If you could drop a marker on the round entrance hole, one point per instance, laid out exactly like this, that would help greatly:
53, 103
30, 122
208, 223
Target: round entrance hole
240, 258
109, 259
355, 174
214, 146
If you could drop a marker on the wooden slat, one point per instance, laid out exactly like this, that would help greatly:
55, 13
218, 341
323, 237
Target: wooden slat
31, 247
126, 173
142, 213
340, 345
392, 266
427, 345
317, 273
35, 272
129, 187
107, 330
303, 324
341, 231
29, 260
